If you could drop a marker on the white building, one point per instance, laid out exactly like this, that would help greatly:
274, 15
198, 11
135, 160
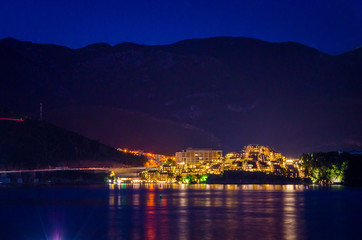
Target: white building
192, 156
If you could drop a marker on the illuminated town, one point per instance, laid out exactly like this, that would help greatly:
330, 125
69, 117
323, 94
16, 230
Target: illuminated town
196, 165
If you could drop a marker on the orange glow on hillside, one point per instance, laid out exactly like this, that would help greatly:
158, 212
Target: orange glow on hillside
154, 159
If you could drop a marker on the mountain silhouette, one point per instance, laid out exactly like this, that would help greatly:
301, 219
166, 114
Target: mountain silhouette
33, 144
228, 91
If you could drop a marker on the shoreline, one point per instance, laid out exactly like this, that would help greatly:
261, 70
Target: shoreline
168, 183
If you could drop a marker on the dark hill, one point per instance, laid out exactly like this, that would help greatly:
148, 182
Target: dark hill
37, 144
117, 127
240, 90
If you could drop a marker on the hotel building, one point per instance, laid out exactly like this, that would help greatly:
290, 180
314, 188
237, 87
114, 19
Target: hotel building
195, 156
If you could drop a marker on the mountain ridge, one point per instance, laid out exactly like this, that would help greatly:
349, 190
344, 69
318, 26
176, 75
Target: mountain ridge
241, 90
12, 40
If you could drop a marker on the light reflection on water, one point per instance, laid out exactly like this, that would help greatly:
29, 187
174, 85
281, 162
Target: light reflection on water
172, 211
290, 215
183, 212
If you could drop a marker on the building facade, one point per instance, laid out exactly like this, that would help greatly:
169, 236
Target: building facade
265, 158
256, 152
198, 156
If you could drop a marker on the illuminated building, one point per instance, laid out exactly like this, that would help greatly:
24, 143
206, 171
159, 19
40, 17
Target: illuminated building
251, 166
265, 158
261, 153
231, 157
153, 175
195, 156
168, 168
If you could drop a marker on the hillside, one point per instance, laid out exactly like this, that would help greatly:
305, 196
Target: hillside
238, 90
36, 144
118, 127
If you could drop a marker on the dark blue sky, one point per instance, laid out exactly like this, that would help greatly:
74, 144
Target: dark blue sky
333, 26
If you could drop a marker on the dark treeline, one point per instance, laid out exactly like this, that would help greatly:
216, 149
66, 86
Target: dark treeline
330, 167
37, 144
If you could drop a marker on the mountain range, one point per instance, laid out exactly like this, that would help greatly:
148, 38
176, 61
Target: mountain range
222, 92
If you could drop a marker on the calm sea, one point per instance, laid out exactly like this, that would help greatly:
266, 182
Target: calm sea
157, 211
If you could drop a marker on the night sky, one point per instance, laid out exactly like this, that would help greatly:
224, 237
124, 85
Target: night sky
333, 26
